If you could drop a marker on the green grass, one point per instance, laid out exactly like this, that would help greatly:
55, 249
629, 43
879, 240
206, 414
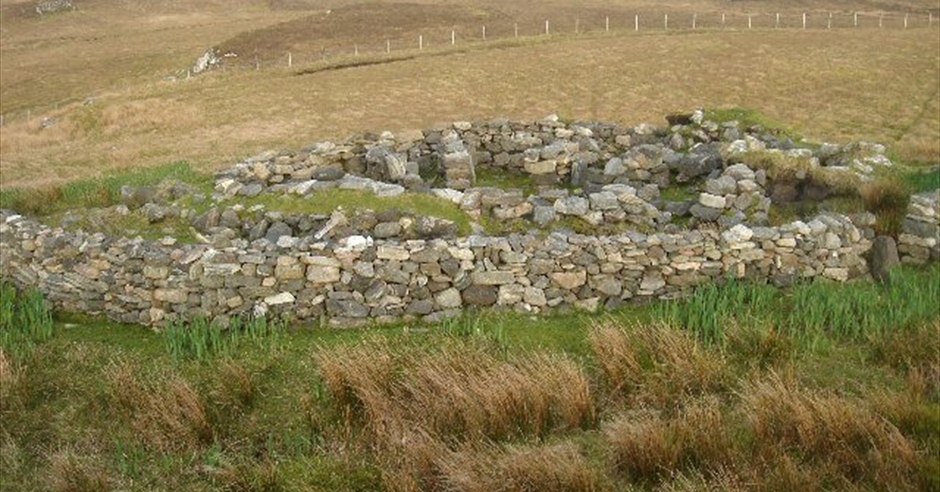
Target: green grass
25, 320
201, 340
923, 181
811, 311
106, 392
102, 192
327, 201
505, 180
747, 118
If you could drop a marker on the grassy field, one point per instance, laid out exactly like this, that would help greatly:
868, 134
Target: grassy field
840, 85
740, 388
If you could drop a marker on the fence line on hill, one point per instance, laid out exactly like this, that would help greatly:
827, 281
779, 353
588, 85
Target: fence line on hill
667, 22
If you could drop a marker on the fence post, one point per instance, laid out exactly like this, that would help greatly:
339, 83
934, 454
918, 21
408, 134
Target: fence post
777, 22
290, 60
829, 22
388, 46
694, 16
420, 41
804, 21
607, 24
356, 49
881, 21
749, 21
666, 21
636, 22
453, 38
484, 33
257, 63
905, 21
546, 27
855, 19
722, 19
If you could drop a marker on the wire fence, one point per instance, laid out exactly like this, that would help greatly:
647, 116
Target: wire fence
440, 38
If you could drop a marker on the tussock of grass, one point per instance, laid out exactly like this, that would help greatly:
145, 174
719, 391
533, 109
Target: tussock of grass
887, 198
657, 365
72, 472
648, 447
458, 393
549, 468
414, 404
853, 442
167, 415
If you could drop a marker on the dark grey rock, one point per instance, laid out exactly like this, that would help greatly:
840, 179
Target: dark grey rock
277, 230
479, 295
884, 257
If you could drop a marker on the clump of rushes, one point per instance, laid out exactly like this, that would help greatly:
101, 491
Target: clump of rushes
201, 339
25, 320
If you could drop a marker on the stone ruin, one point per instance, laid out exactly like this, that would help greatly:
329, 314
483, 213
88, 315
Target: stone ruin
602, 227
53, 6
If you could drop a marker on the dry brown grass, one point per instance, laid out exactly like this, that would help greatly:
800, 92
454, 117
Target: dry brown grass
167, 414
548, 468
459, 393
9, 377
73, 472
416, 405
827, 85
888, 199
840, 436
656, 365
649, 447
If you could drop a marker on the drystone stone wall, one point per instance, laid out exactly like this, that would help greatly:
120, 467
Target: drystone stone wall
357, 278
347, 270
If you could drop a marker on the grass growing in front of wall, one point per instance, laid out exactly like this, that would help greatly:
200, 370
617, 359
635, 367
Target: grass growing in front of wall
25, 320
201, 340
811, 311
695, 395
